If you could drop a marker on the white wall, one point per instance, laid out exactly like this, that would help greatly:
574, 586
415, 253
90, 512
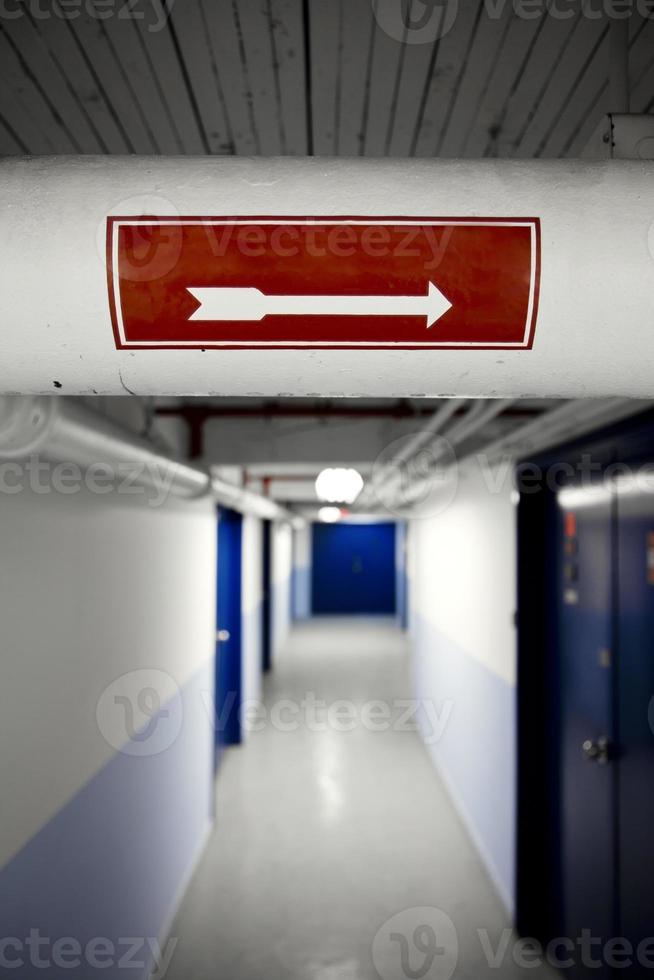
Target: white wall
94, 590
462, 592
302, 572
282, 570
252, 579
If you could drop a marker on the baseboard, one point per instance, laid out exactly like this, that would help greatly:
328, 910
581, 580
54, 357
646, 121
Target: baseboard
479, 845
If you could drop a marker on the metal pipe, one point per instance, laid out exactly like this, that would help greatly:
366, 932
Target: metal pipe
62, 429
562, 424
406, 451
481, 414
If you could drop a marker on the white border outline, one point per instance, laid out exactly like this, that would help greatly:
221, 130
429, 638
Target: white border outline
117, 223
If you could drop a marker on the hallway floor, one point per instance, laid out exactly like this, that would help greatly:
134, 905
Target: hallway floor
323, 835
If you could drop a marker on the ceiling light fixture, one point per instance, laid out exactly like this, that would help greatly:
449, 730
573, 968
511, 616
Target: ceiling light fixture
329, 515
339, 486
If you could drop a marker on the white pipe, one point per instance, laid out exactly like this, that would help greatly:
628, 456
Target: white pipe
479, 416
388, 474
593, 332
62, 429
559, 425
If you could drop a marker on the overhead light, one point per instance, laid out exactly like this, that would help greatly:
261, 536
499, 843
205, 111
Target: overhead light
339, 486
329, 515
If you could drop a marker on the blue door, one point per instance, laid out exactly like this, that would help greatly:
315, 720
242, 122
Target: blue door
586, 665
586, 705
228, 632
353, 569
266, 597
635, 640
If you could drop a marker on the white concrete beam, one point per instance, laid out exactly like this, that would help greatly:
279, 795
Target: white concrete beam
594, 328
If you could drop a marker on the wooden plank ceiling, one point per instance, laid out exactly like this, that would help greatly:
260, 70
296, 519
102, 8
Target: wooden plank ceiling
267, 77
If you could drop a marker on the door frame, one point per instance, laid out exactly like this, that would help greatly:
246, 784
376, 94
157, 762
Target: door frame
538, 846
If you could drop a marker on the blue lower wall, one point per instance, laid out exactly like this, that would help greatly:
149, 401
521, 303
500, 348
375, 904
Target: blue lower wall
401, 577
112, 863
281, 600
476, 755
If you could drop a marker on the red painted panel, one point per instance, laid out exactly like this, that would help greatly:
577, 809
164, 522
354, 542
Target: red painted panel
323, 282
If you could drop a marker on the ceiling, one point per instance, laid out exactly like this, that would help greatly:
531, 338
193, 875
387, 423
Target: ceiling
268, 77
317, 77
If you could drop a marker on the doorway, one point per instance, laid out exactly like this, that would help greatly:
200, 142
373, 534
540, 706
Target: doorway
228, 630
266, 596
586, 709
353, 570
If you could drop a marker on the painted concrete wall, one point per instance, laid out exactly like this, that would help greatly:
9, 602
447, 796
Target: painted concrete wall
302, 572
107, 608
282, 570
462, 591
401, 578
252, 600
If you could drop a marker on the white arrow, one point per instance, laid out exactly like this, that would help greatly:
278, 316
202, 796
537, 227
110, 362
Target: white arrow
248, 303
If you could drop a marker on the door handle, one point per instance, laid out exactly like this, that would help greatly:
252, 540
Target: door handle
599, 751
222, 636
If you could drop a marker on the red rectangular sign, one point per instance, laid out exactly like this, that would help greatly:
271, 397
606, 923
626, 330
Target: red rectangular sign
403, 283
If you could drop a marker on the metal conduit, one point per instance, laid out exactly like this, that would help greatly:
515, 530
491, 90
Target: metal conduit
60, 429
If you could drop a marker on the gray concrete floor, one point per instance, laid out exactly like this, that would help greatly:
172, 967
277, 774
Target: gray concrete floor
323, 836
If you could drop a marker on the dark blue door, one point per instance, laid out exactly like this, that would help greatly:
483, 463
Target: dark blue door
266, 597
586, 665
636, 715
228, 634
353, 569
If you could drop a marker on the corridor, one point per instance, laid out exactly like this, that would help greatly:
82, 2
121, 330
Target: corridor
333, 821
326, 489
